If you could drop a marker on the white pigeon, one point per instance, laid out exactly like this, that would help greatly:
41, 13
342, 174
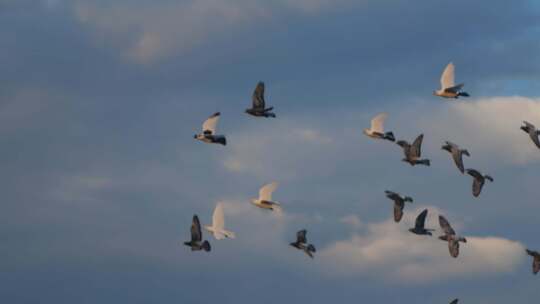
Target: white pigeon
377, 128
448, 88
218, 225
209, 131
265, 198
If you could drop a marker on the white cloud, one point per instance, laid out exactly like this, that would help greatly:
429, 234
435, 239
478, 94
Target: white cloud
351, 220
388, 251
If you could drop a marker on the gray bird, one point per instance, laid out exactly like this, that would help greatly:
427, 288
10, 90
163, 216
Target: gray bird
455, 301
196, 242
533, 132
399, 204
258, 103
536, 260
301, 243
478, 181
209, 131
419, 225
457, 154
414, 151
450, 237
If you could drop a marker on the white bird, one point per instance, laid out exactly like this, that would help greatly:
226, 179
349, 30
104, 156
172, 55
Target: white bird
218, 225
448, 88
265, 198
377, 128
209, 131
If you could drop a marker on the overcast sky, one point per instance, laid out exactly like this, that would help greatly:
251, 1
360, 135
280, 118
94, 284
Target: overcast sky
100, 174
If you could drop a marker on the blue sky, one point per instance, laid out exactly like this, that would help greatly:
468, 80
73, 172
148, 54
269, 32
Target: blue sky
100, 100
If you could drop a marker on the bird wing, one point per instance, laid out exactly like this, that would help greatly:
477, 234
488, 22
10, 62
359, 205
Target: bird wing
533, 133
445, 226
455, 301
377, 123
421, 220
458, 158
196, 234
258, 96
475, 173
453, 247
398, 210
209, 125
536, 264
529, 125
447, 77
392, 195
301, 236
416, 148
454, 89
218, 219
266, 191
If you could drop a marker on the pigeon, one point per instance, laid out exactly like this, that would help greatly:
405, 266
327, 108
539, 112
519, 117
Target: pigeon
209, 131
419, 225
448, 88
413, 152
218, 225
455, 301
377, 128
265, 198
451, 237
196, 237
457, 154
399, 204
479, 181
533, 132
536, 260
301, 243
258, 108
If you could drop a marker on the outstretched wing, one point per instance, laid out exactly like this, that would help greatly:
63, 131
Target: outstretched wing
196, 234
392, 195
398, 210
458, 159
421, 220
453, 248
445, 226
447, 78
377, 123
266, 191
301, 236
258, 96
209, 125
416, 148
218, 219
455, 301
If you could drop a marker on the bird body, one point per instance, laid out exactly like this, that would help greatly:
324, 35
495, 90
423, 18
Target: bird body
377, 128
536, 260
414, 152
196, 243
208, 134
264, 200
533, 133
419, 226
217, 229
448, 88
457, 154
258, 103
450, 237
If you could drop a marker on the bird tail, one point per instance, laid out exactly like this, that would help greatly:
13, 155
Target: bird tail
206, 246
464, 94
408, 199
426, 162
389, 136
268, 109
221, 140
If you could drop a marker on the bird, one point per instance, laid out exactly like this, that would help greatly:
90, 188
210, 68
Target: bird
450, 237
478, 181
448, 88
218, 225
414, 151
457, 154
532, 131
399, 204
258, 103
454, 301
536, 260
377, 128
209, 131
419, 225
301, 243
264, 200
196, 237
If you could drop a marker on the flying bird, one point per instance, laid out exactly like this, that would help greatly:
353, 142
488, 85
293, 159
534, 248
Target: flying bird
457, 154
209, 131
414, 151
533, 132
455, 301
265, 198
196, 237
478, 181
536, 260
258, 103
377, 128
448, 88
218, 225
399, 204
301, 243
450, 237
419, 225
